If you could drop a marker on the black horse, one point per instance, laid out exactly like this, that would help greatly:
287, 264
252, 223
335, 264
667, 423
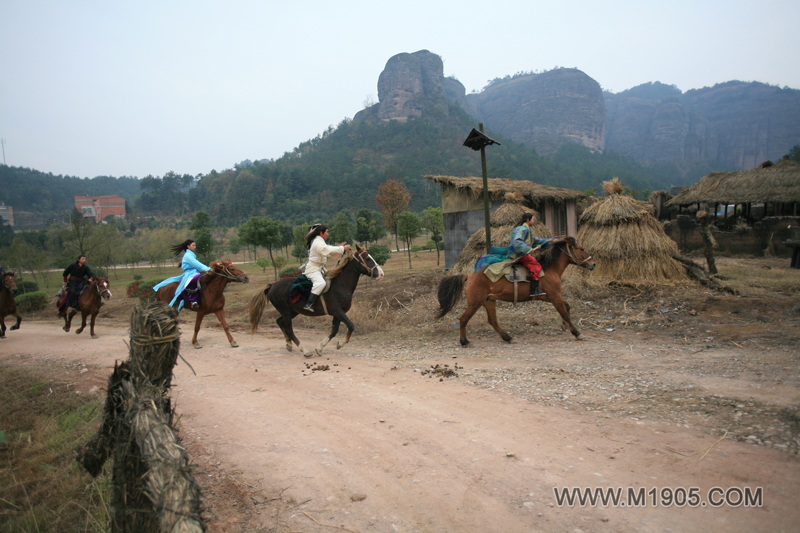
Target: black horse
338, 299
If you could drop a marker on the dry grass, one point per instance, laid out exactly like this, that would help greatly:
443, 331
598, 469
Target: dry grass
41, 488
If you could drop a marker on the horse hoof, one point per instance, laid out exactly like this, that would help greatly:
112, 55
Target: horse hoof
65, 328
95, 337
78, 331
288, 347
512, 341
308, 354
197, 346
234, 345
319, 352
579, 337
12, 328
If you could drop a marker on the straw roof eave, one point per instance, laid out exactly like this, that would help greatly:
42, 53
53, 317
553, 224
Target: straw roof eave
498, 187
776, 183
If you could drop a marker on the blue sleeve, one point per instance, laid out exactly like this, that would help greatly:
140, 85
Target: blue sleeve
518, 243
545, 244
190, 261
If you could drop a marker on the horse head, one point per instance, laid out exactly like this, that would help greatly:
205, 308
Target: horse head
229, 270
101, 285
575, 252
366, 264
10, 282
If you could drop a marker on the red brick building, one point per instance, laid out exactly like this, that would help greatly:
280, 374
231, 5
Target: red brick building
99, 207
7, 214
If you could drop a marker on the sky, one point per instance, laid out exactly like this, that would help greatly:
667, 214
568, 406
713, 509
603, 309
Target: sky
91, 88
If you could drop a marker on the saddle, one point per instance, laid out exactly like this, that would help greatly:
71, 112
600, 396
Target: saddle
301, 288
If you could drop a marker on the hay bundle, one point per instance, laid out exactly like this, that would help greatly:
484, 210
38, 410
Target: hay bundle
502, 221
626, 240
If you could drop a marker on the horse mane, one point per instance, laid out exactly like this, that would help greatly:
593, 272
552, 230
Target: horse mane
340, 266
550, 256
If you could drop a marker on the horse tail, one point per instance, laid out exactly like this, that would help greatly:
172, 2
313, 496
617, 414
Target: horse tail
449, 294
256, 308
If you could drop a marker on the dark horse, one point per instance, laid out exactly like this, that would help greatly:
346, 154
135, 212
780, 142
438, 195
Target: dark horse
89, 302
338, 299
481, 291
212, 300
8, 306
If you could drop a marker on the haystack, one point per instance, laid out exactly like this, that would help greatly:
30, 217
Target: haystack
502, 221
627, 242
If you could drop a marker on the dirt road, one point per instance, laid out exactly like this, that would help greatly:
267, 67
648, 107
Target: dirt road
376, 438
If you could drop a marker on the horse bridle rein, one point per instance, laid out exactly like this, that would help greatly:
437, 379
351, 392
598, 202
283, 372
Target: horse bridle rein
228, 274
571, 254
7, 284
97, 288
363, 262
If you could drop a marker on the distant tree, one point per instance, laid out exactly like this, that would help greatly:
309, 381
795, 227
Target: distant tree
794, 153
393, 198
434, 223
409, 227
202, 236
264, 263
299, 233
235, 246
248, 234
369, 226
82, 229
379, 253
270, 236
342, 230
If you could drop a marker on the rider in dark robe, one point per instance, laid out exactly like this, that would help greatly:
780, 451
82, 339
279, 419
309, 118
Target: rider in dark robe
75, 275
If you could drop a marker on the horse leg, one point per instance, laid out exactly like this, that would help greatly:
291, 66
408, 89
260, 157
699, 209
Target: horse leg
221, 317
68, 319
197, 323
2, 327
91, 326
286, 336
563, 309
491, 314
288, 333
83, 324
350, 328
326, 339
19, 321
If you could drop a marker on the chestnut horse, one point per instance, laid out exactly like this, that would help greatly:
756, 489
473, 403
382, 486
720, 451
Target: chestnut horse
8, 306
481, 291
212, 300
89, 302
338, 299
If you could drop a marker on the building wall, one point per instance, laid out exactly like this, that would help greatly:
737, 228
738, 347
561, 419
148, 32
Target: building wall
7, 214
458, 228
99, 207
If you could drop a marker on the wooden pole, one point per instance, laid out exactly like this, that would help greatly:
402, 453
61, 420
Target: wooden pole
486, 219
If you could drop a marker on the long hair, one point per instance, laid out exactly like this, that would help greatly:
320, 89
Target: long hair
178, 249
525, 217
313, 231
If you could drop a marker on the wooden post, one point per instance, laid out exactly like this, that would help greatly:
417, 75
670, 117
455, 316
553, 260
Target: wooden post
486, 217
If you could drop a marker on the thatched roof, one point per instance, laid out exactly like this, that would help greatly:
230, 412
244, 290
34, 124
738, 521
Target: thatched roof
627, 242
502, 222
498, 187
779, 182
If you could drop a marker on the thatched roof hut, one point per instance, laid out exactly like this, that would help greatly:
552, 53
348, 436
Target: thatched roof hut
503, 221
777, 184
462, 206
626, 241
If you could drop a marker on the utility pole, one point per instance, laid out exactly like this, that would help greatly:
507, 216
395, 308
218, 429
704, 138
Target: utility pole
477, 140
3, 142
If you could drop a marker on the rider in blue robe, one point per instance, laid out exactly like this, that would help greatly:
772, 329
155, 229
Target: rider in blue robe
191, 268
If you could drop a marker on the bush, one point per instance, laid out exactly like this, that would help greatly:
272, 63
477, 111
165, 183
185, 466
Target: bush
31, 301
379, 253
264, 263
142, 290
291, 272
137, 277
27, 286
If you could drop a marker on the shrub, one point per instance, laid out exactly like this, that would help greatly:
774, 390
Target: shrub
264, 263
291, 272
137, 277
142, 290
31, 301
27, 286
379, 253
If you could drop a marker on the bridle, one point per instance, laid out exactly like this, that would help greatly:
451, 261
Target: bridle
7, 282
359, 257
228, 274
571, 254
100, 292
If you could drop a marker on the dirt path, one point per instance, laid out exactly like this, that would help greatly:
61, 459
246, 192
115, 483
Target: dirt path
374, 438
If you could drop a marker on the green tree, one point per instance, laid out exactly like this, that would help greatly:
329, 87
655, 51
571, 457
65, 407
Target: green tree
299, 233
248, 234
264, 263
393, 197
270, 236
342, 230
409, 227
434, 223
794, 153
379, 253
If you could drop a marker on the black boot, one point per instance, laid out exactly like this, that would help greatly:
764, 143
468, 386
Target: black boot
535, 289
310, 303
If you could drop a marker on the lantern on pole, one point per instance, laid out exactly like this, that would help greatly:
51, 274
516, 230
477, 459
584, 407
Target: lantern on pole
477, 140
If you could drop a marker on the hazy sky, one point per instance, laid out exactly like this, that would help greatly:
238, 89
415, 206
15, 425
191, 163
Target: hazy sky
92, 88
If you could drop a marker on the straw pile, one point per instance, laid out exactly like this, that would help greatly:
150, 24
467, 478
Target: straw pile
502, 221
154, 489
627, 242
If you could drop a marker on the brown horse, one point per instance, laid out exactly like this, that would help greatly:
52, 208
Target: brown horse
212, 300
481, 291
89, 302
8, 306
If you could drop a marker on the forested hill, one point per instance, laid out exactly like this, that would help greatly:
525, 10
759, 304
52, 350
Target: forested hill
339, 169
342, 168
26, 189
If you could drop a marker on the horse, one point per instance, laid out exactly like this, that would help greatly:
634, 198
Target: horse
481, 291
212, 299
8, 306
338, 299
89, 302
